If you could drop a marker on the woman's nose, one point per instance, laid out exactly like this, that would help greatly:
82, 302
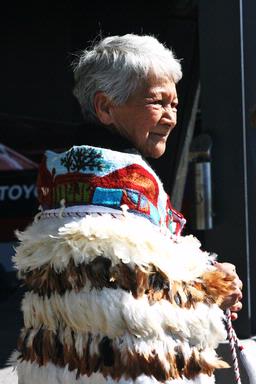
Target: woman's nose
170, 112
170, 107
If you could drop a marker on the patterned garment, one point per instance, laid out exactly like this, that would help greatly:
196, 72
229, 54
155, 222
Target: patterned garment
88, 175
115, 294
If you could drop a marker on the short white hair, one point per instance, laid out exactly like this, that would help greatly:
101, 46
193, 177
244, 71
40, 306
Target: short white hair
118, 65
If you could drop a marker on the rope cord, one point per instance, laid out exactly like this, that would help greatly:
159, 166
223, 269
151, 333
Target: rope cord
233, 342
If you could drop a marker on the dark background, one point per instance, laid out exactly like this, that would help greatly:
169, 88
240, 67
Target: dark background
40, 42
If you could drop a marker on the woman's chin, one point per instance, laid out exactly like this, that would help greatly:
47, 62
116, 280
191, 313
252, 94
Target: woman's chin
155, 151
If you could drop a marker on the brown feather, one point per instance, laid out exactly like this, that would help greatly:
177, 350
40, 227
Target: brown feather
125, 277
179, 359
218, 285
192, 367
98, 272
46, 347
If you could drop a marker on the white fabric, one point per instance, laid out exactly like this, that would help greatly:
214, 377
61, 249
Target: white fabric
129, 239
248, 358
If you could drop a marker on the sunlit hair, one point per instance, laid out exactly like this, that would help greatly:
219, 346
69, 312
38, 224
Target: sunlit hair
118, 65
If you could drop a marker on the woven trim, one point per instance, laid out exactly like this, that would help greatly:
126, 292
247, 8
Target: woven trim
80, 211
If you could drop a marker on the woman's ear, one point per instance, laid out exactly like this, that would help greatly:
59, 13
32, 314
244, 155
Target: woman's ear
102, 106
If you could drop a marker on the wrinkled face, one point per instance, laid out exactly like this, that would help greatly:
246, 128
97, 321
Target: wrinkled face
148, 116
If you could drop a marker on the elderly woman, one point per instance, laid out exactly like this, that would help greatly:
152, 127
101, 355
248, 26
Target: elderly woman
115, 293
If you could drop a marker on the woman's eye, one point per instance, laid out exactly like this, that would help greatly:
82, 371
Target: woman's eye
165, 104
160, 102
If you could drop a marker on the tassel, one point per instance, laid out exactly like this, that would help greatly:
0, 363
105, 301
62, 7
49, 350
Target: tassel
62, 208
124, 208
39, 214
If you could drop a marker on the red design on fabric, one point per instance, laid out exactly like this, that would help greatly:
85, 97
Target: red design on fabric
45, 183
175, 216
131, 177
77, 188
137, 207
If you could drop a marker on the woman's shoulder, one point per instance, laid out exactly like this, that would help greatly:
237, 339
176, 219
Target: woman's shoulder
81, 157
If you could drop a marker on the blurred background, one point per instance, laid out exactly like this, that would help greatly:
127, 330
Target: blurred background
209, 168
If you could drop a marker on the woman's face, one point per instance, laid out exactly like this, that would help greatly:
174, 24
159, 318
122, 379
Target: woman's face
148, 116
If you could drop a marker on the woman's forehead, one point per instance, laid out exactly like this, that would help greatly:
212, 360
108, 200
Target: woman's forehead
156, 86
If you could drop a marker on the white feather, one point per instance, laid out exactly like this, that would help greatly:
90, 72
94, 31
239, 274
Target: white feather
128, 239
203, 325
200, 379
113, 312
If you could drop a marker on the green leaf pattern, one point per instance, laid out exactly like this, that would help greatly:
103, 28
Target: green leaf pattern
77, 159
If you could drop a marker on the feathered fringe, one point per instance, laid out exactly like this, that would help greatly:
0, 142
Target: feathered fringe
133, 240
114, 311
125, 355
31, 373
145, 323
212, 287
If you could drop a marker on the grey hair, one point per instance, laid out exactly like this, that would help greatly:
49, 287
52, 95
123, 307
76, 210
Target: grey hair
118, 65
